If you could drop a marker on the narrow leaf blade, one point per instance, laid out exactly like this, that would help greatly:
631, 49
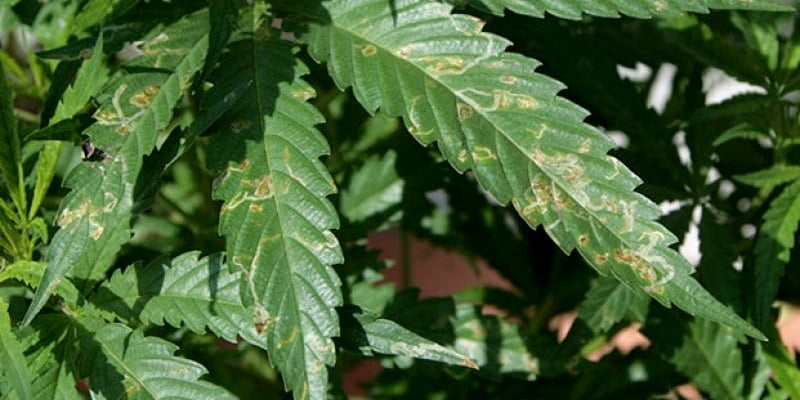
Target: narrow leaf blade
44, 172
773, 176
10, 162
96, 11
773, 247
574, 9
368, 333
90, 78
744, 131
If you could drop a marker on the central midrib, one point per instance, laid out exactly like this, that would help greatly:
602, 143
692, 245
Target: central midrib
477, 109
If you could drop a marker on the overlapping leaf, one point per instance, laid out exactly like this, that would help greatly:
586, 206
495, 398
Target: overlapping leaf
496, 346
770, 177
574, 9
491, 113
10, 161
783, 367
367, 333
89, 79
200, 293
14, 368
51, 352
609, 302
719, 253
276, 218
95, 11
743, 131
374, 188
95, 216
711, 358
149, 368
30, 273
773, 248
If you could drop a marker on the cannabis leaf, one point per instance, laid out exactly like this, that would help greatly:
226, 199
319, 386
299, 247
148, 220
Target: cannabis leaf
743, 131
368, 333
783, 367
95, 216
374, 188
95, 11
51, 351
574, 9
15, 369
488, 112
89, 80
711, 358
496, 345
149, 368
197, 202
609, 302
276, 218
773, 248
10, 158
770, 177
199, 293
30, 273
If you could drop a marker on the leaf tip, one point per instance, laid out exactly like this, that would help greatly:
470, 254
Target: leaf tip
753, 332
39, 298
29, 315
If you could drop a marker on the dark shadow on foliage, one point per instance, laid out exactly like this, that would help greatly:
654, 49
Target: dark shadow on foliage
94, 364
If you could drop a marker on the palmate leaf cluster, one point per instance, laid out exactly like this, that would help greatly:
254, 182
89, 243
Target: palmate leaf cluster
189, 188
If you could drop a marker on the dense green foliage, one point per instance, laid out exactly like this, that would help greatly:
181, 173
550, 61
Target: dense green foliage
188, 188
